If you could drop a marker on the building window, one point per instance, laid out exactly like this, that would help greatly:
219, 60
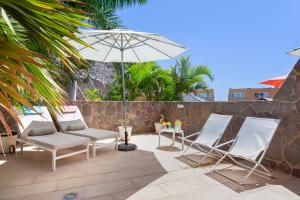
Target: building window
238, 94
203, 95
261, 94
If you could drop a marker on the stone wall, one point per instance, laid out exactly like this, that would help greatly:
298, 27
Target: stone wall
284, 151
109, 114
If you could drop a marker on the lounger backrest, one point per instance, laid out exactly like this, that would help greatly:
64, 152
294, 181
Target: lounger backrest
70, 116
254, 137
213, 129
28, 121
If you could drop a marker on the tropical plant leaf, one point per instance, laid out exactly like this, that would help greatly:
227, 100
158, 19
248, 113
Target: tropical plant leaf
6, 19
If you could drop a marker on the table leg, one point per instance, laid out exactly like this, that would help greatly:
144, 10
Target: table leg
159, 139
173, 140
182, 141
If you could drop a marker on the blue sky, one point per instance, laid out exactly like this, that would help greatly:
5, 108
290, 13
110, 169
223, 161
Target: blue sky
242, 42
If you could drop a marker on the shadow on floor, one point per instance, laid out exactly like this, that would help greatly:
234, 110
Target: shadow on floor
187, 160
111, 175
254, 181
169, 148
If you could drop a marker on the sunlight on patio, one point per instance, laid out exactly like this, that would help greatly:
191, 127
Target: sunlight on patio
2, 162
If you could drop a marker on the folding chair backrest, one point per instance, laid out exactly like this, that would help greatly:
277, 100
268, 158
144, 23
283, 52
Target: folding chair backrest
28, 121
254, 137
213, 129
71, 113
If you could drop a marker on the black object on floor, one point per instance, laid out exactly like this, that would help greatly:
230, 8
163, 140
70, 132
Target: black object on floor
127, 147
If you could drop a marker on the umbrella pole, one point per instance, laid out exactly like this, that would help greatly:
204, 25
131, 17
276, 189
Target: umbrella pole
124, 100
125, 146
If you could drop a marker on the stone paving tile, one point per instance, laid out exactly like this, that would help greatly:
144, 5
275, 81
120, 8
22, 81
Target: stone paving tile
125, 174
182, 186
59, 174
107, 188
26, 190
268, 194
105, 197
69, 183
16, 181
143, 181
57, 195
124, 195
94, 179
149, 193
218, 192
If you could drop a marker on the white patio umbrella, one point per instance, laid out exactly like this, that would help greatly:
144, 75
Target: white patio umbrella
126, 46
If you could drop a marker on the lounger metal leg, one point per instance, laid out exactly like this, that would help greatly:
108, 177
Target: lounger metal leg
159, 138
54, 160
87, 151
116, 147
94, 149
22, 144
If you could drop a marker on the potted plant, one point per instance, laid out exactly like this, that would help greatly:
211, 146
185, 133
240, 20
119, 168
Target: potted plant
122, 130
8, 143
159, 125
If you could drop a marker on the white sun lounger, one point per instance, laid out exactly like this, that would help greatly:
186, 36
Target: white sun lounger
251, 144
95, 135
208, 138
53, 141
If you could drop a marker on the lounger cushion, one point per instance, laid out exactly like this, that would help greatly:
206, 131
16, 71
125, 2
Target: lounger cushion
95, 134
42, 131
58, 141
71, 123
76, 125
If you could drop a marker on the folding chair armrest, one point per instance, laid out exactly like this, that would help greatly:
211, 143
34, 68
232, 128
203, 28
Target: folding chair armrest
183, 138
225, 143
192, 135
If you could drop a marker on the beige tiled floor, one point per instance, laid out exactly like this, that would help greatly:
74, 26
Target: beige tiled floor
148, 173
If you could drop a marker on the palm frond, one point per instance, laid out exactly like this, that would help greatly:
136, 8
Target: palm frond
114, 4
48, 22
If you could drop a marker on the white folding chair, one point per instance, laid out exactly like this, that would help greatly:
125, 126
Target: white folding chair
251, 144
209, 137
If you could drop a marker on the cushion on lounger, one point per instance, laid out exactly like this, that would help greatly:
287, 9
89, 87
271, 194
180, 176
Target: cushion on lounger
71, 124
58, 140
42, 131
28, 111
76, 125
95, 134
69, 109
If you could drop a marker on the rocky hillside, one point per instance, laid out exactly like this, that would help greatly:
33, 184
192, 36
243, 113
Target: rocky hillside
99, 75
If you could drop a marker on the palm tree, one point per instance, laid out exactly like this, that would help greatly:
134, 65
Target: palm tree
147, 80
152, 82
103, 12
187, 78
24, 73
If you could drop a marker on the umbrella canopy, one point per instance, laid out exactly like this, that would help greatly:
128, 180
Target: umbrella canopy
121, 45
277, 81
109, 45
294, 52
